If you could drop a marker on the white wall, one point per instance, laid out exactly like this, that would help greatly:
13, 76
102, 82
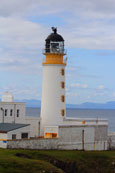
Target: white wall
34, 125
111, 141
18, 132
8, 136
3, 140
22, 119
14, 107
85, 121
71, 137
51, 104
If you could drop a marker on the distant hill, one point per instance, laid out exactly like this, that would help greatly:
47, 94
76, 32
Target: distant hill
90, 105
86, 105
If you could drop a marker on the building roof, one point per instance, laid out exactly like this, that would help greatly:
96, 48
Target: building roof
6, 127
54, 36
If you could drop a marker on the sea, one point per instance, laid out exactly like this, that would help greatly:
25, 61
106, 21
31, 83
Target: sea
108, 114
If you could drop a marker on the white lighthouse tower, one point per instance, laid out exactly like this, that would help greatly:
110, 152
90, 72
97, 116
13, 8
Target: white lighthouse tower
53, 109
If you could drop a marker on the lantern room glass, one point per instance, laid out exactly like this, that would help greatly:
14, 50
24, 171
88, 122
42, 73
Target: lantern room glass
56, 47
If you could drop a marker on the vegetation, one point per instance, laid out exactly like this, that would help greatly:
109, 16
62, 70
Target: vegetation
53, 161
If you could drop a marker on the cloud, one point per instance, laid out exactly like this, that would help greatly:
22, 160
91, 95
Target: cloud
25, 24
101, 90
23, 66
88, 97
99, 94
78, 85
21, 45
13, 7
83, 8
21, 92
70, 94
86, 25
101, 87
113, 94
21, 34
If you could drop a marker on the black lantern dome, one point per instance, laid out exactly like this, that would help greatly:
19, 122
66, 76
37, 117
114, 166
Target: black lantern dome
54, 36
54, 43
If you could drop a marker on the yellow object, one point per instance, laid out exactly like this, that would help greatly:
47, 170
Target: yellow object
54, 59
3, 140
51, 135
83, 122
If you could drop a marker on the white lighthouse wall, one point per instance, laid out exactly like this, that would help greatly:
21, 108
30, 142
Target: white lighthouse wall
52, 91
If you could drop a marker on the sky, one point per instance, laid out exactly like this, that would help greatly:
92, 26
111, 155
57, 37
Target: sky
88, 28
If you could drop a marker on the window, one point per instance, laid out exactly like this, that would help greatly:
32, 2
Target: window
14, 136
18, 112
62, 84
62, 72
6, 111
63, 98
62, 112
56, 47
11, 112
24, 135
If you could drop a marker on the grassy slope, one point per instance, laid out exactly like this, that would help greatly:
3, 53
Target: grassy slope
31, 161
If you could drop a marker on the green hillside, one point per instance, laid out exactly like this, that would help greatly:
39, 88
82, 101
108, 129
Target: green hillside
53, 161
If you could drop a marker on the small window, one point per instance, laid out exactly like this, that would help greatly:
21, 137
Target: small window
54, 135
24, 135
62, 112
62, 84
62, 72
6, 111
11, 112
18, 112
63, 98
14, 136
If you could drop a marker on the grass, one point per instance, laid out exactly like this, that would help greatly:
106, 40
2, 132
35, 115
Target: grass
54, 161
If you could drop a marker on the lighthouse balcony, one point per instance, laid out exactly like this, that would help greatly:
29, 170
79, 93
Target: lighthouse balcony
54, 51
54, 61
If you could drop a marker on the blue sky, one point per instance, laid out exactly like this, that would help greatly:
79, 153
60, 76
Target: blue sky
88, 28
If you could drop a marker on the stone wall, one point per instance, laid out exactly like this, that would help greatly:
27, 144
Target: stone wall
70, 138
46, 144
33, 144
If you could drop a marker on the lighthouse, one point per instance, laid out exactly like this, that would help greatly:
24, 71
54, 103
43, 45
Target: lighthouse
53, 109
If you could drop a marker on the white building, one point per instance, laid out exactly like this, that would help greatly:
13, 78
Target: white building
15, 113
53, 110
9, 131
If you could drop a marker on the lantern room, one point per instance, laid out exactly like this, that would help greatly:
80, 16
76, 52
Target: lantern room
54, 43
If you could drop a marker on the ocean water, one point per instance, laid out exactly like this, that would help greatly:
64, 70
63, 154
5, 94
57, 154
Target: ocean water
108, 114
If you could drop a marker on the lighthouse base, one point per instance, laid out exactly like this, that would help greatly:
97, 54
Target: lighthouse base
69, 138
